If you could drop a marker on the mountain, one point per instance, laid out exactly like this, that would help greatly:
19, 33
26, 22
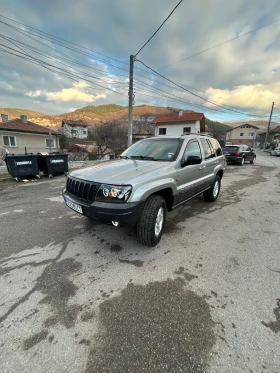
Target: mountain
105, 113
262, 124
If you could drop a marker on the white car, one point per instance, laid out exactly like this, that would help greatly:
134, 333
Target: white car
275, 152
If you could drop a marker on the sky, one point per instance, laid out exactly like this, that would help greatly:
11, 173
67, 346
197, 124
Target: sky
241, 76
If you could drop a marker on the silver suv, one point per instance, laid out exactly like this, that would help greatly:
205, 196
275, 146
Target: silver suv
151, 177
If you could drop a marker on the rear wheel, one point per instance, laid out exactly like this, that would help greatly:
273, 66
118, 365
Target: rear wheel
242, 161
151, 222
211, 194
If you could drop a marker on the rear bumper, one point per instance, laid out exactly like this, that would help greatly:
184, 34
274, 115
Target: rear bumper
126, 214
233, 159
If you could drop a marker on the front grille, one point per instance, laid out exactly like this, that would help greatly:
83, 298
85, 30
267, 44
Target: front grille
83, 190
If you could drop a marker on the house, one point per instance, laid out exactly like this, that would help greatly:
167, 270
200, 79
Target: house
243, 134
273, 136
19, 135
177, 124
85, 152
140, 135
75, 129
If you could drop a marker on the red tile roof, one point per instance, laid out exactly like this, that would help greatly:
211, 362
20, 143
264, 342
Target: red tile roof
29, 127
275, 130
176, 118
81, 123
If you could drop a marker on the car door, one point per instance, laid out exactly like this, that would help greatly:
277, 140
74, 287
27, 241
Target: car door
210, 161
249, 155
191, 177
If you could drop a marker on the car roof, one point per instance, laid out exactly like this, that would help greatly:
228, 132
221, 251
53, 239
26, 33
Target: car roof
183, 136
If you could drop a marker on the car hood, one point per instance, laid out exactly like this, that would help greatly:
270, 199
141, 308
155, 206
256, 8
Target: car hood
120, 171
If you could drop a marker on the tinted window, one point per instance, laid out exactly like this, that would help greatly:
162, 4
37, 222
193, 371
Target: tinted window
216, 147
159, 149
192, 148
207, 148
230, 149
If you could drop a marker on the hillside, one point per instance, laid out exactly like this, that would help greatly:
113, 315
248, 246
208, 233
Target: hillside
262, 124
16, 113
104, 113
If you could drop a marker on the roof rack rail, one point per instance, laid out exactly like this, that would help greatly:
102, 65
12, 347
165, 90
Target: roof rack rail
197, 134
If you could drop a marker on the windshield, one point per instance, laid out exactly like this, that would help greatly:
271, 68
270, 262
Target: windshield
230, 149
153, 149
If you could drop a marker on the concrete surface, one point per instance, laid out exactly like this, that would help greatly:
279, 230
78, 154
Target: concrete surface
77, 296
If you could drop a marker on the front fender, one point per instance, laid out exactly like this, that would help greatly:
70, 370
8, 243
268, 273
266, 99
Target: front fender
144, 191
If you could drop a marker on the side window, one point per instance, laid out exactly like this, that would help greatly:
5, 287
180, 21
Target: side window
216, 147
193, 149
207, 148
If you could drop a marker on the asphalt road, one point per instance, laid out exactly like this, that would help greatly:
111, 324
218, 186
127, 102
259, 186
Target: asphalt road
77, 296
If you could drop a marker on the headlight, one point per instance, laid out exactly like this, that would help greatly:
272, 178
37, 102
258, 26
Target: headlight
113, 193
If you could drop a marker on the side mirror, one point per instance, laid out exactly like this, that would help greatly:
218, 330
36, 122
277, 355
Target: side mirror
191, 160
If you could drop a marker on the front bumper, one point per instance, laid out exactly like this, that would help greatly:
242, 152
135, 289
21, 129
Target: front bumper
126, 213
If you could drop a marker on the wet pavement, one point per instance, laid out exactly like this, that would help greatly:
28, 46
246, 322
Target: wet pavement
78, 296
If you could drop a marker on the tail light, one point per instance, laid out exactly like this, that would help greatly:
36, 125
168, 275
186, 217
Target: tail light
236, 153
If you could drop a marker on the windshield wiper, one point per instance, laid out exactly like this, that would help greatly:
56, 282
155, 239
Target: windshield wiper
144, 157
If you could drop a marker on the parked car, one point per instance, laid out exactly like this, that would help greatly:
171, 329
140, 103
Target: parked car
151, 177
239, 154
275, 152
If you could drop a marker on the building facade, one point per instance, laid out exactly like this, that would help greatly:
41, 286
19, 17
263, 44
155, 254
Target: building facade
243, 134
18, 136
75, 129
177, 124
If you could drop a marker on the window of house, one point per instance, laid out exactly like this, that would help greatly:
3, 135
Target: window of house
248, 126
50, 143
187, 130
74, 133
162, 131
241, 134
84, 132
9, 140
207, 148
251, 133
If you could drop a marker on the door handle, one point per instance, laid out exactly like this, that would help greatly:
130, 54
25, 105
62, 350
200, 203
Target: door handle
216, 162
202, 167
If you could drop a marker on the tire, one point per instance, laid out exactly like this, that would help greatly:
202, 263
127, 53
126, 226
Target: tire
253, 161
151, 222
241, 163
211, 194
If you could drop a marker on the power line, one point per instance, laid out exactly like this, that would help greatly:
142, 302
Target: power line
64, 40
217, 45
194, 94
158, 28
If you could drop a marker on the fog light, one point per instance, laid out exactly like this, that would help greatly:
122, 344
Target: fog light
115, 223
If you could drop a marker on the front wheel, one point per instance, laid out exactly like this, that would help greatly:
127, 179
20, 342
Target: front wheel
242, 161
253, 161
211, 194
151, 222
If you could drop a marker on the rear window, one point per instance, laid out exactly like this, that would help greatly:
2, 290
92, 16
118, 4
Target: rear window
230, 149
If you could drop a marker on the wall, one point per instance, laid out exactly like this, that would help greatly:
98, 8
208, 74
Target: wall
234, 136
176, 129
35, 143
67, 130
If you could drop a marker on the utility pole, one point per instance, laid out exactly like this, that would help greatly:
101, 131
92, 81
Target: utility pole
130, 101
267, 131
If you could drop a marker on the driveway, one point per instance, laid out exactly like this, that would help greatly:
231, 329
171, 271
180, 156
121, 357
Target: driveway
77, 296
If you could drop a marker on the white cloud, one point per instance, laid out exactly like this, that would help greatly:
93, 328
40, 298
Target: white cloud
79, 92
255, 96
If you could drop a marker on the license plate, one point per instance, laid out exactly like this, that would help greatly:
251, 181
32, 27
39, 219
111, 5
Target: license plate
73, 206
